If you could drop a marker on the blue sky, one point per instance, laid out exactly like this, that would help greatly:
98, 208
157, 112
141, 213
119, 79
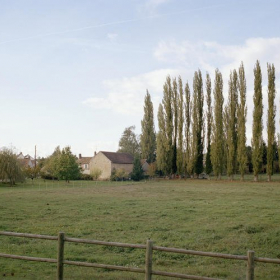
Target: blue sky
76, 72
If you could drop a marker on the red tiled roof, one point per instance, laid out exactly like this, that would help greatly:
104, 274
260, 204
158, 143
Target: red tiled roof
84, 160
121, 158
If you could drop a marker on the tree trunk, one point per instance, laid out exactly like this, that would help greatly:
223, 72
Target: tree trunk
242, 177
256, 178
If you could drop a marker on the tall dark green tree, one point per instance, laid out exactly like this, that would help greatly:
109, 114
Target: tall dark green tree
198, 125
270, 119
217, 147
129, 142
148, 135
241, 123
231, 126
208, 167
175, 110
257, 139
137, 173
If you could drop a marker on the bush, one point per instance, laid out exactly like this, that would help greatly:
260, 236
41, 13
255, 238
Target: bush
119, 175
95, 173
86, 177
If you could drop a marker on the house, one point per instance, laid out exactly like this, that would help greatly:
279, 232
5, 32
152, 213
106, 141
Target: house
26, 161
108, 161
84, 164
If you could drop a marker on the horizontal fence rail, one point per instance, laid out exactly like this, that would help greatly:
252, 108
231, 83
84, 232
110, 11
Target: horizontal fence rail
149, 247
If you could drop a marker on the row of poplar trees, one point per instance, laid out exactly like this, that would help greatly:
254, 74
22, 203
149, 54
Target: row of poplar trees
186, 130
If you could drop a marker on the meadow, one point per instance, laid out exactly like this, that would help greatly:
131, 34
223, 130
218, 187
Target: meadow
204, 215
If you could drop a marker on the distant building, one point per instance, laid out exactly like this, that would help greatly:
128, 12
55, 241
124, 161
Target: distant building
26, 160
108, 161
84, 164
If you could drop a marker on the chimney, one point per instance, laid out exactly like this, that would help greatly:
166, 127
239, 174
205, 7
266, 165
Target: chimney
80, 156
95, 153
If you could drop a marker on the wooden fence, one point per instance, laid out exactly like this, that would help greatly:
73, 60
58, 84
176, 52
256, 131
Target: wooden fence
149, 247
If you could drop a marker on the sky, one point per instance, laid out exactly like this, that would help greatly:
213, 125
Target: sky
76, 72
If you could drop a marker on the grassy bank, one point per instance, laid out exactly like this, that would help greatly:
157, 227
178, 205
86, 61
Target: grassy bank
226, 217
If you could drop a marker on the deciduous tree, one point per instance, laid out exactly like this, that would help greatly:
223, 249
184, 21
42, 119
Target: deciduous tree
270, 119
217, 147
148, 135
257, 139
208, 168
129, 142
241, 123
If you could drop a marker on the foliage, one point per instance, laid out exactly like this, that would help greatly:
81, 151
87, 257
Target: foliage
32, 172
95, 173
152, 169
188, 136
129, 142
148, 135
162, 144
10, 168
180, 149
217, 147
241, 123
119, 174
198, 124
137, 173
270, 119
257, 139
231, 124
62, 165
67, 167
208, 167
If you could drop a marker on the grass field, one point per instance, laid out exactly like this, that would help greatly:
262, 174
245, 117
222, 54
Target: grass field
205, 215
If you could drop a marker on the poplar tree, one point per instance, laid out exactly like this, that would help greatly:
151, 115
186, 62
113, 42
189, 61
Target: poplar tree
168, 117
257, 139
270, 119
217, 147
198, 100
241, 124
180, 153
188, 134
231, 125
148, 135
175, 125
209, 124
162, 142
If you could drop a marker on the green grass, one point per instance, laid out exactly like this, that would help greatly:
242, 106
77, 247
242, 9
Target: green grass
204, 215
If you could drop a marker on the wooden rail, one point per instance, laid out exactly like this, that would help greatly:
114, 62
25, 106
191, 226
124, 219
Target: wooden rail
149, 247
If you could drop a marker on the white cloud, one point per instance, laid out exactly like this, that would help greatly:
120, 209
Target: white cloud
126, 95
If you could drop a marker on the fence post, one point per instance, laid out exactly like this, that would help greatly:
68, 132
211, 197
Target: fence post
149, 261
60, 256
250, 265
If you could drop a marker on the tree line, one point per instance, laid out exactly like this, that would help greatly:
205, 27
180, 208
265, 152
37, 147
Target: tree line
198, 132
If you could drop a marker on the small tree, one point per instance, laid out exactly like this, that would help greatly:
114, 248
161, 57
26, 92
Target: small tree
10, 168
95, 173
137, 172
67, 167
152, 169
31, 172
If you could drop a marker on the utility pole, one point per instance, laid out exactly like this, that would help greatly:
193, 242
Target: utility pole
35, 156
